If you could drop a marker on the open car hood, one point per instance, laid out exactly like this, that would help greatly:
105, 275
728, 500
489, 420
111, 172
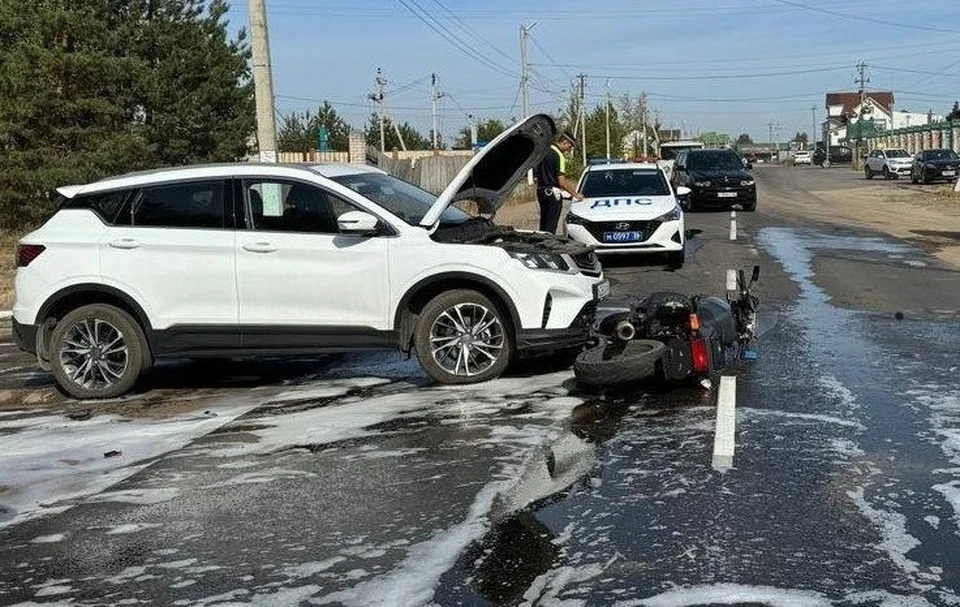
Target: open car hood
491, 175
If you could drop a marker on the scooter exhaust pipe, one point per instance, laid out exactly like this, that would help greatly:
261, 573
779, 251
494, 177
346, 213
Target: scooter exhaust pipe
625, 331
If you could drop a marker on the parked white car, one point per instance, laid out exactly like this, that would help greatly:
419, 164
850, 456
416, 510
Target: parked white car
892, 163
266, 259
629, 208
803, 157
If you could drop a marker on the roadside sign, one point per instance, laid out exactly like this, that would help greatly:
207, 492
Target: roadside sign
323, 139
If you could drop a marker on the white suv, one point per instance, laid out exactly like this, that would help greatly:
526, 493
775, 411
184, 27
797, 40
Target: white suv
892, 163
260, 259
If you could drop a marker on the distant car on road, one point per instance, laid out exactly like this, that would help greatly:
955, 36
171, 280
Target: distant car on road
892, 163
716, 178
933, 165
803, 157
629, 208
839, 154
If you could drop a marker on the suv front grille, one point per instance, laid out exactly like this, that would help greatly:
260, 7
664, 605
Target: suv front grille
588, 263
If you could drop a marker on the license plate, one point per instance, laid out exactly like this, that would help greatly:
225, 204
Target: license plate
949, 173
601, 289
632, 236
726, 194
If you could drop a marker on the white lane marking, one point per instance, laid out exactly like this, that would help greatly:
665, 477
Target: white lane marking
724, 441
731, 280
733, 214
733, 229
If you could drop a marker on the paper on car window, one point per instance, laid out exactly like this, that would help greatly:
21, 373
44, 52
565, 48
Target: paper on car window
272, 199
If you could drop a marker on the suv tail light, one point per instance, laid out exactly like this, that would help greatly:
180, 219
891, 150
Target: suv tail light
27, 253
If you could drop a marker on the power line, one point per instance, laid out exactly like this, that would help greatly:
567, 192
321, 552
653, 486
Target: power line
468, 29
867, 19
450, 37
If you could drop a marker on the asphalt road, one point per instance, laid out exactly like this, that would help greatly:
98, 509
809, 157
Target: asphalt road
352, 480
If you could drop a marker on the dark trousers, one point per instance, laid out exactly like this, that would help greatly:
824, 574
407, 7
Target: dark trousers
550, 209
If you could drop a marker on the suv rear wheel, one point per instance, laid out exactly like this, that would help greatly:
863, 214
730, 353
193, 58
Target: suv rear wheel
97, 351
463, 337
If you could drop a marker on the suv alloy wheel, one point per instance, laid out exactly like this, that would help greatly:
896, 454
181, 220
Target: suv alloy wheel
463, 337
97, 351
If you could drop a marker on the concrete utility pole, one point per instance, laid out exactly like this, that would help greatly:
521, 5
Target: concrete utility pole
583, 116
770, 124
608, 119
435, 96
861, 81
643, 121
262, 81
379, 98
524, 70
813, 129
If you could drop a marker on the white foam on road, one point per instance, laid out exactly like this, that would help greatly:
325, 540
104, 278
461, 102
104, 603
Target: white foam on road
459, 404
895, 540
51, 459
731, 594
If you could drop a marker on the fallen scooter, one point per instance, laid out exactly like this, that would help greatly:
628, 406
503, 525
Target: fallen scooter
672, 336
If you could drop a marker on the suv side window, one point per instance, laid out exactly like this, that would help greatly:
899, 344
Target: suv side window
292, 206
192, 204
107, 205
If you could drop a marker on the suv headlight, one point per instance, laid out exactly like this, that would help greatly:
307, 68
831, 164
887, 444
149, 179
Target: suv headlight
671, 215
543, 260
747, 182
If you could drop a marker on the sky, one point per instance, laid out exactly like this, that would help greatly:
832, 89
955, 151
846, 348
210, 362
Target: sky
732, 66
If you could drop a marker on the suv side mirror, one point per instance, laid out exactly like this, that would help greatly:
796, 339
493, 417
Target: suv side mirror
747, 164
358, 223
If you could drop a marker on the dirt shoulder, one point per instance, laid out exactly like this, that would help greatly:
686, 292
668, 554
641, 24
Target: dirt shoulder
926, 215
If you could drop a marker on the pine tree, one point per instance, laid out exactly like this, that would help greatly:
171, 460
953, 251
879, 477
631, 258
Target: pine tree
90, 88
299, 132
412, 138
66, 99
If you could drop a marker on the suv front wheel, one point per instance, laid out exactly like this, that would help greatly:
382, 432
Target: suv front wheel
97, 351
462, 337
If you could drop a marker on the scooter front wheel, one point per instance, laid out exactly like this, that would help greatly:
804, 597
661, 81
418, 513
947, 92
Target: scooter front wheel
612, 363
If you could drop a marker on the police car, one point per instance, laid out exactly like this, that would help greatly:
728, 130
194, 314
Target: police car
629, 208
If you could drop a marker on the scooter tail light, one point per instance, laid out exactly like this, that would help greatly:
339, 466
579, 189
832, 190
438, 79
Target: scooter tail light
694, 322
699, 355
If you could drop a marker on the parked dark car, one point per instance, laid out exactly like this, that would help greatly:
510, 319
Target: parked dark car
839, 154
717, 179
934, 165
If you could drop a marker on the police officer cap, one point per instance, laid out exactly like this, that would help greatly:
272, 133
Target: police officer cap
569, 137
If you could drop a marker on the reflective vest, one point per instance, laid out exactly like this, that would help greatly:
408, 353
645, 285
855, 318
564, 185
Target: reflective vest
563, 159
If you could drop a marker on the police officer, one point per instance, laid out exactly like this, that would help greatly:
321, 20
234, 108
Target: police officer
551, 180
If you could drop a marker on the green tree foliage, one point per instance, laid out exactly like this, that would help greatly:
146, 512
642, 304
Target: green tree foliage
955, 112
636, 119
298, 132
800, 138
744, 139
90, 88
487, 130
413, 138
713, 139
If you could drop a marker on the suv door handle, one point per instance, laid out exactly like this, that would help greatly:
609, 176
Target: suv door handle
125, 243
259, 247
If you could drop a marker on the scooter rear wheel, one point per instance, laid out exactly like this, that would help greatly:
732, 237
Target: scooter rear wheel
612, 363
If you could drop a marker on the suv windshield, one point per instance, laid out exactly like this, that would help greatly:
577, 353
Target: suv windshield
713, 160
647, 182
405, 200
940, 155
897, 154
